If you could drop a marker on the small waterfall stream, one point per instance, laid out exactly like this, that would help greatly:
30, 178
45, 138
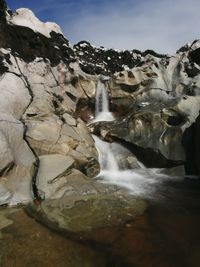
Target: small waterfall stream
107, 158
139, 180
102, 112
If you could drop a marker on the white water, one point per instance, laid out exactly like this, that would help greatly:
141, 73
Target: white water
107, 159
102, 112
139, 180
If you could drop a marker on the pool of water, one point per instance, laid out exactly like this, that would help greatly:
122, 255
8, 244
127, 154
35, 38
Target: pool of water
166, 235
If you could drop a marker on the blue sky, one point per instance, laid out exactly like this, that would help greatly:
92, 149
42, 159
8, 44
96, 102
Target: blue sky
162, 25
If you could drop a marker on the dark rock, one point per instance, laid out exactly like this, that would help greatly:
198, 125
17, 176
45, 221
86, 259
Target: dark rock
28, 45
153, 53
175, 120
94, 60
147, 136
195, 56
73, 98
192, 70
129, 88
3, 8
121, 106
3, 68
191, 143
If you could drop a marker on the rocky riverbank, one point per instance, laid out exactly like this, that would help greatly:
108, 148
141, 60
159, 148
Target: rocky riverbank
47, 106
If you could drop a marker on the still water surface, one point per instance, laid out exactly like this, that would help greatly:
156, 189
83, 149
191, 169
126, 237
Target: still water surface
166, 235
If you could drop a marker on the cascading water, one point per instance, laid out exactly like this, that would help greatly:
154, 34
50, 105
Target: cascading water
138, 180
107, 158
102, 112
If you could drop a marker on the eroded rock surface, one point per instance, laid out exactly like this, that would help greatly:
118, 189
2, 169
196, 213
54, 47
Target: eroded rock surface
38, 124
48, 89
154, 103
85, 207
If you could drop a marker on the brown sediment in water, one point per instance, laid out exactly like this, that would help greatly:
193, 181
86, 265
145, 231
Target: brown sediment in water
161, 238
165, 235
26, 243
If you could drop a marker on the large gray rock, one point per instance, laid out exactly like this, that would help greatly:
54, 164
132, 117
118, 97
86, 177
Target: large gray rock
44, 89
155, 102
52, 168
38, 104
87, 207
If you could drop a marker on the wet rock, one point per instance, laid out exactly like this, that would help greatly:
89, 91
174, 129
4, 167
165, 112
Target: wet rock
4, 216
25, 242
87, 209
148, 133
192, 148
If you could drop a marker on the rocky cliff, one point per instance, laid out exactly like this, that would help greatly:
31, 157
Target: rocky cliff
47, 90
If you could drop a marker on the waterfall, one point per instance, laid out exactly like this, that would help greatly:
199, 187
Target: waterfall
139, 180
102, 112
107, 158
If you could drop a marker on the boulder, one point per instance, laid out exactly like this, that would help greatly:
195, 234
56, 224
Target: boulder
52, 169
87, 209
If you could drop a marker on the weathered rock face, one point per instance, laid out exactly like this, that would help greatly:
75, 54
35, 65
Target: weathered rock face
48, 89
99, 60
153, 132
39, 129
155, 103
87, 209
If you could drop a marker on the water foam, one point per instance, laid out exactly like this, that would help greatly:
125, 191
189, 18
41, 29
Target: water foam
139, 181
102, 112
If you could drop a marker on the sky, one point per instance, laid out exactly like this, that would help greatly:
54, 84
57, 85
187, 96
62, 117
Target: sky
161, 25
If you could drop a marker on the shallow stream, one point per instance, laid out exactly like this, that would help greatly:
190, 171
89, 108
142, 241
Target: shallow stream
166, 235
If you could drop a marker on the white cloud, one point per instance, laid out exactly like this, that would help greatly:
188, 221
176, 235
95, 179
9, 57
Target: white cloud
163, 25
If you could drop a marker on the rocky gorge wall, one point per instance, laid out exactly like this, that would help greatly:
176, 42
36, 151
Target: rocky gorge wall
47, 89
40, 132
